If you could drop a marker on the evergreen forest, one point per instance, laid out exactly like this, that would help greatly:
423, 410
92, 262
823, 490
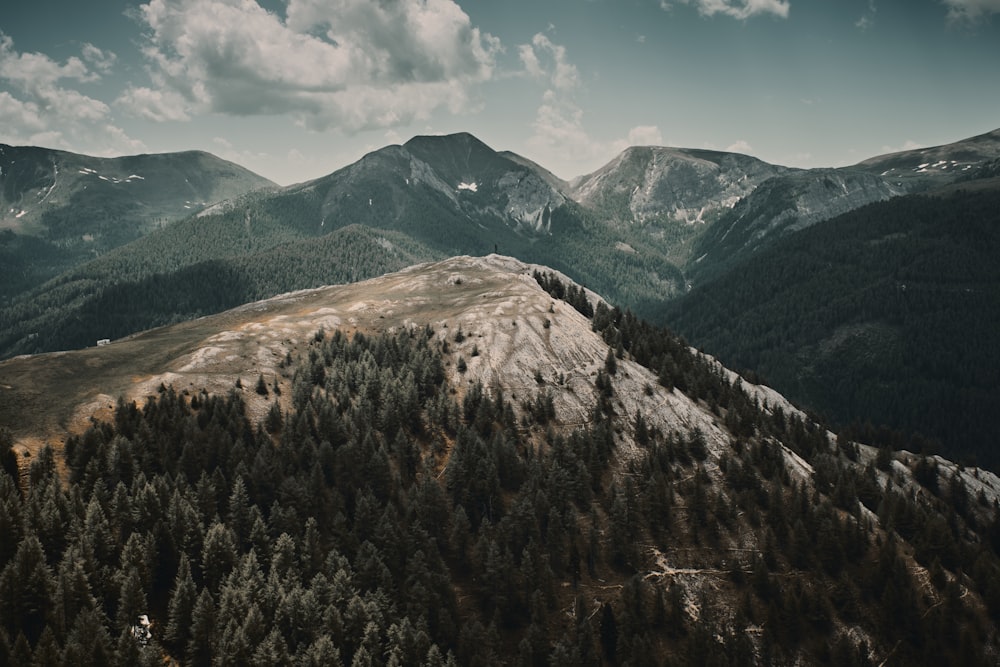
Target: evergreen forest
882, 320
382, 514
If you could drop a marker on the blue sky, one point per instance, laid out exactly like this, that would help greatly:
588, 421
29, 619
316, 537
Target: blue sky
295, 89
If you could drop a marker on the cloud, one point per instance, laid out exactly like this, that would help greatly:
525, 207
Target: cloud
557, 69
559, 134
908, 145
103, 61
155, 105
352, 64
737, 9
558, 128
971, 10
740, 146
36, 71
640, 135
43, 107
867, 19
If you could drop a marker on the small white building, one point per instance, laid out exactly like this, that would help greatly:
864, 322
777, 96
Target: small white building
103, 342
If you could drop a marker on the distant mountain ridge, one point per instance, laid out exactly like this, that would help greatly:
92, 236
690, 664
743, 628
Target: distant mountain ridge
683, 185
643, 229
59, 209
38, 183
923, 168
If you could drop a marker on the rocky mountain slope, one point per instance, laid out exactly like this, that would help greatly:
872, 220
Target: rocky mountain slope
666, 198
645, 184
58, 209
449, 463
798, 199
494, 299
642, 230
779, 207
444, 190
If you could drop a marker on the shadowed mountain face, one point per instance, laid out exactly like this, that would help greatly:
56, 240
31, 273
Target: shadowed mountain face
452, 192
60, 209
887, 314
387, 447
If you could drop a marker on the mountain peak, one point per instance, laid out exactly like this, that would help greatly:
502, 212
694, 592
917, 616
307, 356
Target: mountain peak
457, 140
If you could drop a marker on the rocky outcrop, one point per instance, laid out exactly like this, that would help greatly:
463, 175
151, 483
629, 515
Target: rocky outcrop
687, 186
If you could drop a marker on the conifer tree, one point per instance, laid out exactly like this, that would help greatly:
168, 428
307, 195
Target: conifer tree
180, 609
200, 647
26, 590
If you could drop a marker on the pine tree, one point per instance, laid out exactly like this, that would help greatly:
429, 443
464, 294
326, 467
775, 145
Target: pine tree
131, 599
180, 609
200, 647
26, 589
89, 642
218, 555
47, 651
609, 633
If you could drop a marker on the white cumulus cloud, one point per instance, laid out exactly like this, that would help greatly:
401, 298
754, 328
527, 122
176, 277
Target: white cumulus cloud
738, 9
908, 145
556, 68
352, 64
740, 146
640, 135
559, 135
43, 106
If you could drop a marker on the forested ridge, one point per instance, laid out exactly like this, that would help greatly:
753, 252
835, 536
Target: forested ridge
66, 209
886, 315
118, 298
382, 514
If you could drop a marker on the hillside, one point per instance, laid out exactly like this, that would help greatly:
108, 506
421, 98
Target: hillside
667, 197
887, 315
59, 209
433, 197
449, 465
646, 229
797, 199
936, 166
192, 269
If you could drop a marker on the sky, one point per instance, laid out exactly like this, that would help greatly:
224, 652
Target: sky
295, 89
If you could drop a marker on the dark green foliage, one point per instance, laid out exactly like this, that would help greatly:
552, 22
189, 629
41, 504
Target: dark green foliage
447, 532
886, 315
571, 294
163, 277
98, 206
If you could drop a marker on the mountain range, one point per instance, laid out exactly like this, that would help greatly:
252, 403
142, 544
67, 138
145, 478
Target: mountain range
470, 461
662, 231
60, 209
